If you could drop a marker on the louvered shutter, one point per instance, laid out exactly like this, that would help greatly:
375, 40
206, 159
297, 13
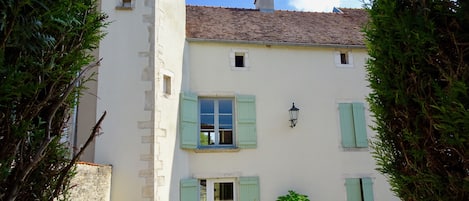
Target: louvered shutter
367, 188
249, 189
188, 121
360, 125
246, 121
347, 125
353, 189
189, 190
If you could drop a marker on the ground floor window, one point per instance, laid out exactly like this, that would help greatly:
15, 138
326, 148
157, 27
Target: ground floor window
217, 190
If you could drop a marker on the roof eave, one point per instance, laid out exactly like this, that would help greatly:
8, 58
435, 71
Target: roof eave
361, 46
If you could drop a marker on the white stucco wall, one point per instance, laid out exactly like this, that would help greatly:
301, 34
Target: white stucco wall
308, 158
139, 131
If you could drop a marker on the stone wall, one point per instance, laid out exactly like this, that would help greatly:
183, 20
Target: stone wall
92, 182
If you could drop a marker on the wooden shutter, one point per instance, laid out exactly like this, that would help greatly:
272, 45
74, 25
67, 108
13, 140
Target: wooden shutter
249, 189
359, 122
367, 188
337, 58
189, 190
353, 189
246, 121
347, 125
188, 121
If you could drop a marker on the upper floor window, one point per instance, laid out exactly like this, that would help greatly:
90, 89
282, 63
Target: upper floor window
353, 125
213, 123
239, 59
216, 122
343, 59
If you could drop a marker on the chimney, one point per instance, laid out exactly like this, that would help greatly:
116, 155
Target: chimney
265, 5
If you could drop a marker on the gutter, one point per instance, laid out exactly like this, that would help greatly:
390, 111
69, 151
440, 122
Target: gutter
202, 40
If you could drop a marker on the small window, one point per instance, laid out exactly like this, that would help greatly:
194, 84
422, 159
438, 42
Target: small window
359, 189
239, 59
167, 84
126, 3
344, 58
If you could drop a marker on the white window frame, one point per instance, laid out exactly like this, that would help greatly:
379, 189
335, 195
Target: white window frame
237, 52
216, 123
165, 77
338, 60
210, 184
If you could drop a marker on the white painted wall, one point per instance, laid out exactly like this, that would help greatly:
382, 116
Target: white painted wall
308, 158
139, 131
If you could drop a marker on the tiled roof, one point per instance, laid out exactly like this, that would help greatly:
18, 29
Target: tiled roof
251, 25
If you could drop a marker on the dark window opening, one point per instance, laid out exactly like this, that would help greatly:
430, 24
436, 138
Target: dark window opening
239, 61
343, 58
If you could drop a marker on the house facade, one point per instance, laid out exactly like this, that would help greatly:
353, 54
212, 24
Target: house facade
198, 100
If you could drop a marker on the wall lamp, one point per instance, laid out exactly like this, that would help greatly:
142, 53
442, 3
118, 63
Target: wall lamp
293, 115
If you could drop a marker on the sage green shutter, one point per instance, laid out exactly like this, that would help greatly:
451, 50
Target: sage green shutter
347, 125
360, 125
189, 190
246, 125
353, 189
188, 121
367, 188
249, 189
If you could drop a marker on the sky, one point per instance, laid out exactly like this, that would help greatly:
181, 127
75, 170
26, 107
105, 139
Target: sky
297, 5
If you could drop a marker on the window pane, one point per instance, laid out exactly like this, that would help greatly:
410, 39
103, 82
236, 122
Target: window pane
225, 121
207, 122
225, 106
226, 137
207, 138
206, 106
223, 191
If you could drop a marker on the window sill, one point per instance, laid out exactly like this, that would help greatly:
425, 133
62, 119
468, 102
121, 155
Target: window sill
124, 8
217, 150
355, 149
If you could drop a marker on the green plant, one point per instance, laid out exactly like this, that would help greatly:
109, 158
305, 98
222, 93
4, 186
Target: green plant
419, 76
293, 196
45, 49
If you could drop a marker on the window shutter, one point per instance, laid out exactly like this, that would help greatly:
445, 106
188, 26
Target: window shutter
189, 190
246, 116
353, 189
249, 189
360, 125
367, 188
350, 58
188, 121
346, 125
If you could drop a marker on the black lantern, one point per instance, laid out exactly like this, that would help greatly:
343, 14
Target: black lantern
293, 115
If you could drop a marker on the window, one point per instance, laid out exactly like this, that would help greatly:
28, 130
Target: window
353, 125
226, 189
343, 59
126, 3
359, 189
217, 122
167, 84
239, 59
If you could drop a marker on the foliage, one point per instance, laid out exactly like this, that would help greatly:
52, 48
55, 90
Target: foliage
45, 48
293, 196
419, 76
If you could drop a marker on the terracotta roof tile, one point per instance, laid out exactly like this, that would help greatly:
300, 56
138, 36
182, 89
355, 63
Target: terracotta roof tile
237, 24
